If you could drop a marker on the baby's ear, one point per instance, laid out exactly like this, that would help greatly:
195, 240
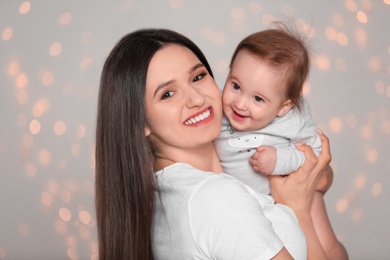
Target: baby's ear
147, 130
286, 106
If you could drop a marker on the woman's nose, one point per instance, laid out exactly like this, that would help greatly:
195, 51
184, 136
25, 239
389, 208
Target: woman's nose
194, 97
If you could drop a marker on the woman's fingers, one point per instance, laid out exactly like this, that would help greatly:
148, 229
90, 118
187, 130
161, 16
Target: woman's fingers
324, 158
325, 152
310, 162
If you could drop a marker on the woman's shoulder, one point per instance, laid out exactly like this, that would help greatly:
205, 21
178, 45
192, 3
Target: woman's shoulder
182, 175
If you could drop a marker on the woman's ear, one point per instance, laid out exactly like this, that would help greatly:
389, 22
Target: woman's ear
286, 106
147, 130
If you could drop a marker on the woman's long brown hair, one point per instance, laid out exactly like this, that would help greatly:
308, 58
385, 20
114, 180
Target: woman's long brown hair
126, 187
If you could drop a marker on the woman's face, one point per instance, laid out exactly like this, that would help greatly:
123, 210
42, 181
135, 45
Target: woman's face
183, 102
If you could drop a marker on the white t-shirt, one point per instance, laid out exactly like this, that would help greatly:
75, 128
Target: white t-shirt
214, 216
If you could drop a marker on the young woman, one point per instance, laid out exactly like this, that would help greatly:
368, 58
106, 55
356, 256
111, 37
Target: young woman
160, 193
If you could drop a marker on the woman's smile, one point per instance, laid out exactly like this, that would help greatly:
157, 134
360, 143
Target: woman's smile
200, 118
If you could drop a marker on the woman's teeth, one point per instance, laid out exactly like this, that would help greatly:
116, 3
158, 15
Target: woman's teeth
198, 118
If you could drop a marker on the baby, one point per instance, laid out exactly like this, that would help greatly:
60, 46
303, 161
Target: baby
265, 114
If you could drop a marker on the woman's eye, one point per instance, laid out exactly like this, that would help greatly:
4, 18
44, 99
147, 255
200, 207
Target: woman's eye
199, 77
167, 95
236, 86
258, 99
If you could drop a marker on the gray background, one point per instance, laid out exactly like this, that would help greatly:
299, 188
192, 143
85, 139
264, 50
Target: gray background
51, 55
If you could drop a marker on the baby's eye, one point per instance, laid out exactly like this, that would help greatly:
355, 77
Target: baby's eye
236, 86
258, 99
167, 94
199, 77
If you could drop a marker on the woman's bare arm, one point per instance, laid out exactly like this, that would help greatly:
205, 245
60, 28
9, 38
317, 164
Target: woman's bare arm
298, 189
332, 247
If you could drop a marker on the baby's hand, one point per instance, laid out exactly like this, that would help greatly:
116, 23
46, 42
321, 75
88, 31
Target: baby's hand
264, 160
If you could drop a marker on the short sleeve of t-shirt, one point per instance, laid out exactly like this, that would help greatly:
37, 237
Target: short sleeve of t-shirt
227, 222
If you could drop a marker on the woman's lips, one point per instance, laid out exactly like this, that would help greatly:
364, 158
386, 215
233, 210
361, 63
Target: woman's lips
200, 118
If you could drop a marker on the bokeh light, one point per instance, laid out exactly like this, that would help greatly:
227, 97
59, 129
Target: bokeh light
85, 217
86, 63
342, 205
335, 124
35, 127
372, 155
24, 229
59, 128
21, 80
60, 227
55, 49
65, 214
351, 5
7, 34
65, 18
361, 16
342, 39
24, 8
255, 7
44, 156
31, 170
376, 189
360, 181
322, 62
237, 13
46, 199
374, 64
13, 68
176, 4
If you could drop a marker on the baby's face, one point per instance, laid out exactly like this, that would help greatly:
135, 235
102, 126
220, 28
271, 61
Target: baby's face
253, 94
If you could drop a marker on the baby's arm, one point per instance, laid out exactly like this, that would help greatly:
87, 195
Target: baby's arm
269, 160
264, 160
283, 160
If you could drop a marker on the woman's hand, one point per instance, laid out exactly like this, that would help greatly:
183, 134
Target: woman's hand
325, 180
297, 189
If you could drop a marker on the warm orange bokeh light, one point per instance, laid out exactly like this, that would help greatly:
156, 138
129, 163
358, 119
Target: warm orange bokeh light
44, 156
21, 80
55, 49
342, 205
47, 78
376, 189
322, 62
361, 16
46, 198
59, 128
24, 8
84, 217
342, 39
335, 124
13, 68
7, 34
35, 127
65, 214
65, 18
331, 33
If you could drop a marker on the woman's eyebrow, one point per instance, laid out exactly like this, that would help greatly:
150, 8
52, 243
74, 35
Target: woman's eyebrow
163, 85
199, 65
169, 82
